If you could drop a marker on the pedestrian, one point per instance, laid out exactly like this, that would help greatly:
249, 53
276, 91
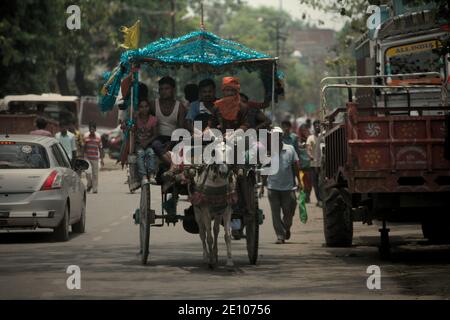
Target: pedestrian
41, 125
67, 140
93, 151
305, 161
315, 153
281, 187
290, 137
78, 140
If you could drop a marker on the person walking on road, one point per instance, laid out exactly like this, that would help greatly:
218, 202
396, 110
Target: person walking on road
67, 140
315, 153
281, 187
93, 151
290, 137
305, 161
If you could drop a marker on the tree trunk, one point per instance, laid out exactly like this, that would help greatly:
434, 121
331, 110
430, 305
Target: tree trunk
63, 83
80, 78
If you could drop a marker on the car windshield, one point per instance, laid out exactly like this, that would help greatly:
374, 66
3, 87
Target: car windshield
23, 155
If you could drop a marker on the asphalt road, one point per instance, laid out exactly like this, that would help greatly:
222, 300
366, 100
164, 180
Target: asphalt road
32, 266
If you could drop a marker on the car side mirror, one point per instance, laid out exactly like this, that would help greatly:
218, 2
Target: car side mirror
80, 165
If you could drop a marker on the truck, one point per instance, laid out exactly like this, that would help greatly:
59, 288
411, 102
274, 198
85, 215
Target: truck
386, 153
18, 113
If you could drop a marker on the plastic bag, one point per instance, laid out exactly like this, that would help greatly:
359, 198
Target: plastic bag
302, 206
302, 201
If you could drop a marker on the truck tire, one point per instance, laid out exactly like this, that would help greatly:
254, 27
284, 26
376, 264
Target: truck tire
337, 218
436, 230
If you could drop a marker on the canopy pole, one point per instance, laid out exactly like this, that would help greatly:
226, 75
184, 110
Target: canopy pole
202, 23
131, 113
273, 92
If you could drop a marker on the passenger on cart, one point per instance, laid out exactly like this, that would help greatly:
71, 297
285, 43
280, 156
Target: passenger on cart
229, 112
170, 114
146, 132
201, 110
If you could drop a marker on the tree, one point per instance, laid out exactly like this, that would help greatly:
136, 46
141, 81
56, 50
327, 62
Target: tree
38, 50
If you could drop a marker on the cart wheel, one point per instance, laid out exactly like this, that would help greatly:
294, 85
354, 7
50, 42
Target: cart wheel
144, 223
251, 219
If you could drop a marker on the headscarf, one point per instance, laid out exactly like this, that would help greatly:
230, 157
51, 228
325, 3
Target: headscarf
229, 106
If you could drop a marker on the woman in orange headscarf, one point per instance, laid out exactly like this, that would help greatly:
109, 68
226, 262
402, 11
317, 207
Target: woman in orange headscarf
229, 112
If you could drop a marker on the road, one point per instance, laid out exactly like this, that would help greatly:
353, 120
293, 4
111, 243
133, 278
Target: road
32, 266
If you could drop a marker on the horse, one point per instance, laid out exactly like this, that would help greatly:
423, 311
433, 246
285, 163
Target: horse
212, 192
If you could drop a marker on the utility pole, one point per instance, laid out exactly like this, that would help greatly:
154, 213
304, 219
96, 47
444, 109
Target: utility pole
277, 28
277, 37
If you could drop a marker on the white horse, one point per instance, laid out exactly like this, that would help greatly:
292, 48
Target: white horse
212, 191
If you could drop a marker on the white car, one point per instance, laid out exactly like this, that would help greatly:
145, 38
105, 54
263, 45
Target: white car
39, 188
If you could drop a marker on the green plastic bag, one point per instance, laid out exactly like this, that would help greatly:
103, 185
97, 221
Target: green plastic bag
302, 206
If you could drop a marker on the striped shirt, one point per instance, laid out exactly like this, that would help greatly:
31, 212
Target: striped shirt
92, 146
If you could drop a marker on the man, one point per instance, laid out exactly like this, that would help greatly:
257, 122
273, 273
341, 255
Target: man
93, 151
305, 161
281, 187
255, 117
41, 125
289, 137
67, 140
78, 140
170, 115
202, 109
229, 112
315, 153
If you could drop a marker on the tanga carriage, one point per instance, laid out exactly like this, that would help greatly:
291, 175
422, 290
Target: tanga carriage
202, 53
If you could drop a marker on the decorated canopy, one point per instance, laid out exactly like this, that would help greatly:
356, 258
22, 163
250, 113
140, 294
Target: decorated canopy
202, 51
196, 48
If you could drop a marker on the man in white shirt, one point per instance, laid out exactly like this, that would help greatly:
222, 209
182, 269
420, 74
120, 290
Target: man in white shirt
67, 140
314, 150
282, 186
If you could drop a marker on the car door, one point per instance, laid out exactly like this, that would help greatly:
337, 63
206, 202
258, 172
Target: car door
78, 191
68, 181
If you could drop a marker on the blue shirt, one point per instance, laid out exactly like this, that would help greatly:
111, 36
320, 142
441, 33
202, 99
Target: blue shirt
194, 110
283, 179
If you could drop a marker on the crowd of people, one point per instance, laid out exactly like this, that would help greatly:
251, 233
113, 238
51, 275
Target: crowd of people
76, 145
155, 120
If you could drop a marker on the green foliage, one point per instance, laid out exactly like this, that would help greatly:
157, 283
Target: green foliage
37, 49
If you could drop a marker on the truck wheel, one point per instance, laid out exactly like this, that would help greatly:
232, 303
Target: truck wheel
436, 230
337, 218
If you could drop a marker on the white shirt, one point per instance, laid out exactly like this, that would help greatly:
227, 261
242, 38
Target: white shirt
313, 142
283, 179
68, 142
166, 124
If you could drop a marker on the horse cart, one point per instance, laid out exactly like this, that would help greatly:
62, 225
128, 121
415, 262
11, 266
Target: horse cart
205, 54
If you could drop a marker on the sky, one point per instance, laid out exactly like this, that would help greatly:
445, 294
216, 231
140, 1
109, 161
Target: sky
332, 21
